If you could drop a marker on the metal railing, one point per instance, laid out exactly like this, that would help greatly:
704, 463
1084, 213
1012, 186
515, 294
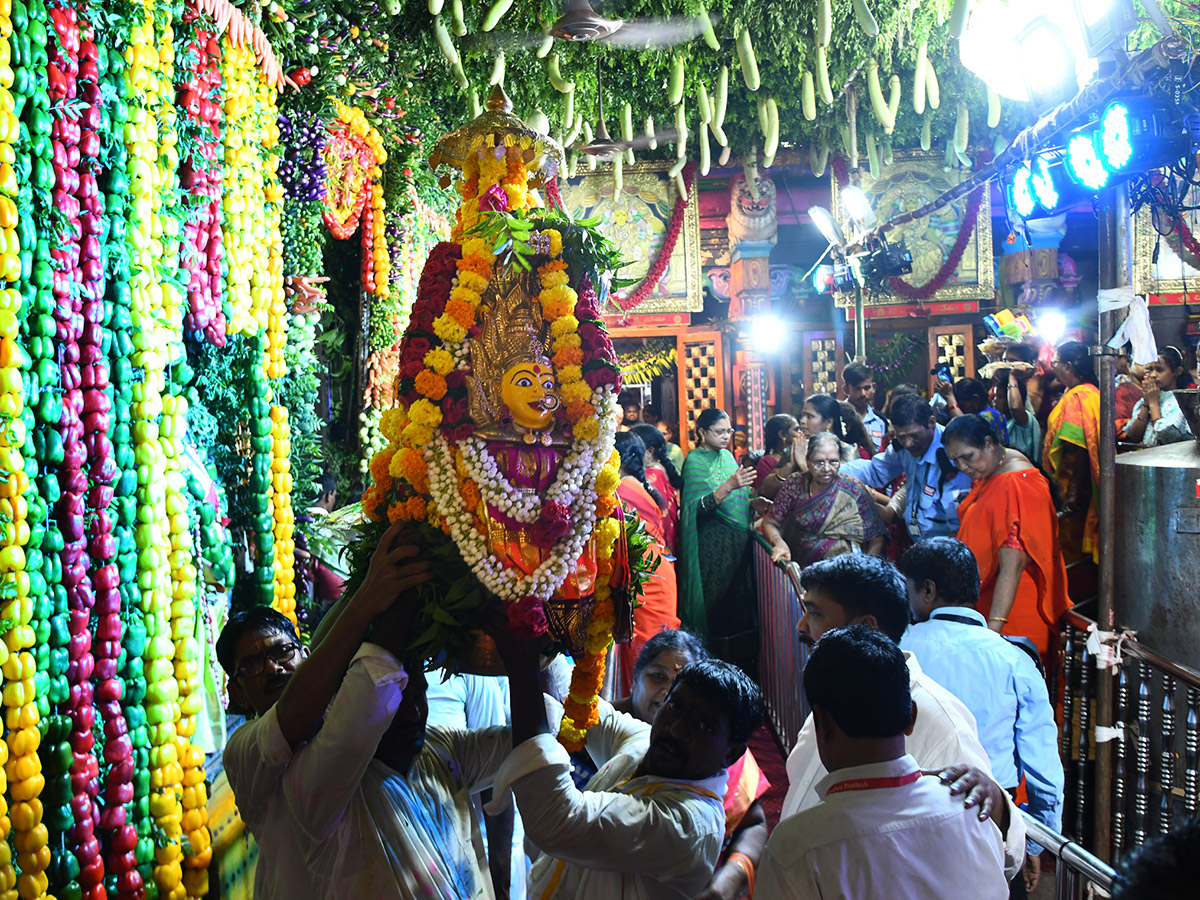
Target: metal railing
781, 655
1154, 780
1076, 869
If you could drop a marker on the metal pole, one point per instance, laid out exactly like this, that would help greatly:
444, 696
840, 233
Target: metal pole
1114, 260
860, 325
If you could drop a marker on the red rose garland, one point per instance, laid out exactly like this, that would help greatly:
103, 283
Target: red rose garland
904, 289
674, 227
1187, 238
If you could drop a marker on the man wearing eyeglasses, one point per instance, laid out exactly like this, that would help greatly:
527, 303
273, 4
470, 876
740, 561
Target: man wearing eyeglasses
261, 653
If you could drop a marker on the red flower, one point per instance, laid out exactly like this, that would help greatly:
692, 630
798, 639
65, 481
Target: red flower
461, 432
552, 525
455, 408
422, 319
527, 618
412, 368
415, 348
601, 374
456, 380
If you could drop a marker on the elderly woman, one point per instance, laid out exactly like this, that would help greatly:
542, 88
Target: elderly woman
821, 512
1008, 521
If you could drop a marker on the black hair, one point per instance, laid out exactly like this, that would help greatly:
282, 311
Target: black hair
678, 639
775, 428
860, 679
1077, 355
731, 688
246, 621
910, 409
1166, 867
971, 389
654, 441
751, 458
327, 483
855, 432
1022, 353
863, 585
856, 373
633, 460
1175, 360
971, 430
827, 408
949, 564
630, 398
710, 417
820, 438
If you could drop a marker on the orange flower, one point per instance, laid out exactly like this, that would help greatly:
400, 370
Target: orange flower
415, 507
398, 512
480, 266
555, 265
568, 356
577, 412
605, 506
431, 384
471, 494
371, 500
461, 312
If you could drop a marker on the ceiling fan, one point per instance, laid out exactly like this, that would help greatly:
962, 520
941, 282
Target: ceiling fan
603, 146
580, 22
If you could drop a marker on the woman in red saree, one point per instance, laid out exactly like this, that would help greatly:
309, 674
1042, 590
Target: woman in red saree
1008, 521
657, 610
745, 820
664, 477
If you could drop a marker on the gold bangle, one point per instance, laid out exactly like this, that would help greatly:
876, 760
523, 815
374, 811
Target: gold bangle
1000, 619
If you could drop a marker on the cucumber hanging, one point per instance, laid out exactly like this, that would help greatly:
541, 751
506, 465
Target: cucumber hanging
726, 152
706, 29
931, 85
497, 76
771, 135
993, 116
962, 128
651, 135
675, 82
745, 50
893, 101
557, 81
458, 24
808, 97
879, 106
926, 132
958, 17
705, 152
545, 47
818, 157
681, 128
722, 97
873, 155
618, 175
866, 20
445, 44
919, 79
495, 13
702, 103
627, 130
824, 89
435, 7
824, 23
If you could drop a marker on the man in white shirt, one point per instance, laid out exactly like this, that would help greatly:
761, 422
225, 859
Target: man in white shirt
650, 823
860, 589
881, 829
272, 674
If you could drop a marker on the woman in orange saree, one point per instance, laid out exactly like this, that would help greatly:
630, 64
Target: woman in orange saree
657, 609
1008, 522
1071, 453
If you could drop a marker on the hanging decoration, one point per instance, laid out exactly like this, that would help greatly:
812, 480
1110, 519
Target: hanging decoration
648, 360
953, 258
895, 354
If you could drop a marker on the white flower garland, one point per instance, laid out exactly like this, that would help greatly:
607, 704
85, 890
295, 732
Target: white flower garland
585, 459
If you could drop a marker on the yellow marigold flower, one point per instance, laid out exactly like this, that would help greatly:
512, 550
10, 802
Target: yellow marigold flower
425, 413
396, 465
476, 247
518, 197
418, 435
439, 361
553, 310
564, 325
587, 429
556, 245
448, 329
432, 516
460, 464
466, 296
607, 480
470, 281
392, 423
568, 374
576, 391
555, 279
568, 341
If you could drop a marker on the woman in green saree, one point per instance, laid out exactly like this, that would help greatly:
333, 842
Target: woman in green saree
715, 581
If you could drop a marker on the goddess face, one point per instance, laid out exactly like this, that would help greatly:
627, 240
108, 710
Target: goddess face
531, 395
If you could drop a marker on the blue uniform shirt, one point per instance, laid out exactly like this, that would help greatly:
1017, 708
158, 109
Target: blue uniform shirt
1006, 693
876, 426
932, 508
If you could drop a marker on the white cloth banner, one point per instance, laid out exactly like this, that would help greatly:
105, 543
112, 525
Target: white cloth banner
1135, 330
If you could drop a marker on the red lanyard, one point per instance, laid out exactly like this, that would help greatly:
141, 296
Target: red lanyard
867, 784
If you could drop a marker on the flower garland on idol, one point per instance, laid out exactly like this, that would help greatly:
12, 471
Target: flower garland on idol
438, 472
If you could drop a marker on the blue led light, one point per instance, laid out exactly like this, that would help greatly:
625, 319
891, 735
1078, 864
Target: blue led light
1115, 144
1083, 165
1044, 188
1021, 192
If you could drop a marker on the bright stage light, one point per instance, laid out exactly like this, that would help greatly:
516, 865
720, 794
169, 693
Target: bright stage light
1139, 133
1047, 63
824, 220
1045, 188
1083, 164
1051, 325
1020, 192
767, 334
857, 204
1114, 135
